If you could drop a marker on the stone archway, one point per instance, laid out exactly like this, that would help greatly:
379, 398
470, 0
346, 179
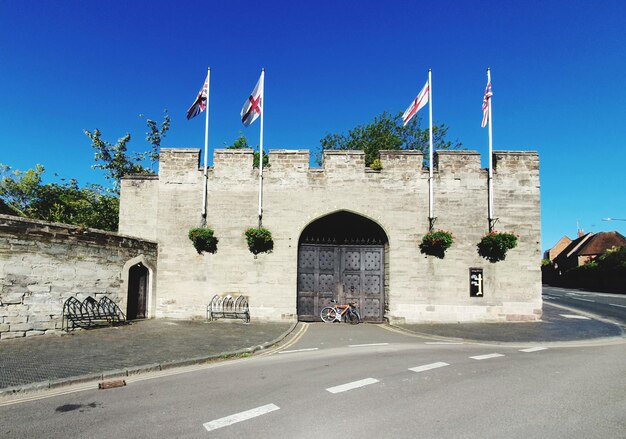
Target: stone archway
341, 256
136, 307
138, 278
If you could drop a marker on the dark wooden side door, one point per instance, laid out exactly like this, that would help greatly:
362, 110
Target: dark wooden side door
318, 276
137, 292
362, 277
345, 273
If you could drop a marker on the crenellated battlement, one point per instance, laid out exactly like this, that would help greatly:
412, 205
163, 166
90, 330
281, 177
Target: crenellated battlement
516, 162
176, 163
343, 161
402, 160
179, 165
233, 158
286, 159
457, 162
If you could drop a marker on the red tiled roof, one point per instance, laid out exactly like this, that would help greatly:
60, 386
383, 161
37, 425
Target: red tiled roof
601, 242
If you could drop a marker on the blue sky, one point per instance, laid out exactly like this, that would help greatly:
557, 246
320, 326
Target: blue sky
558, 74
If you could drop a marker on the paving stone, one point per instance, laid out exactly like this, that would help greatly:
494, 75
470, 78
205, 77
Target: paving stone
551, 328
138, 347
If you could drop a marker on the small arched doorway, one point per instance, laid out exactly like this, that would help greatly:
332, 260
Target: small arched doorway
137, 292
341, 256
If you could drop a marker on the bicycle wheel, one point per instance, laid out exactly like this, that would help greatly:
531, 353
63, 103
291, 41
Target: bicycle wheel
353, 317
328, 314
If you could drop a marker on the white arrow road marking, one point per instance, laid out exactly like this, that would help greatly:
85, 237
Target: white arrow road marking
535, 349
428, 366
238, 417
352, 385
574, 316
487, 356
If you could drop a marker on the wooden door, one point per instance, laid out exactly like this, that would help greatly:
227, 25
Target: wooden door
137, 292
345, 273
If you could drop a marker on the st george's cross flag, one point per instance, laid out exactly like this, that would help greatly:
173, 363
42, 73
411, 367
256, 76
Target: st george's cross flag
199, 105
254, 104
417, 104
486, 110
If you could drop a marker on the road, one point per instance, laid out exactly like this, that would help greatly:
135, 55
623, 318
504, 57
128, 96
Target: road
354, 382
610, 306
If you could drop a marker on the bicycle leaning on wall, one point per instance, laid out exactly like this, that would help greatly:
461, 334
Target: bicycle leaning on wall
335, 313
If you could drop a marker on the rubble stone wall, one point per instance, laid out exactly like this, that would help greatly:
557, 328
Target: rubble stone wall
42, 264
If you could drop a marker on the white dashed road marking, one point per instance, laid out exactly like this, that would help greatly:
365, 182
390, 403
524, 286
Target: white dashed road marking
430, 366
615, 304
443, 342
238, 417
584, 300
486, 357
298, 350
535, 349
366, 344
352, 385
574, 316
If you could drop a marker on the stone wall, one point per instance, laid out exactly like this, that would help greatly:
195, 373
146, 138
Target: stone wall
42, 264
419, 288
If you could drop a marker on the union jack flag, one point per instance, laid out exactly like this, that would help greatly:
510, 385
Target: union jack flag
486, 99
199, 105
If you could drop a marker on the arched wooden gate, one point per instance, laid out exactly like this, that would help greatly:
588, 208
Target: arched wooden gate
341, 257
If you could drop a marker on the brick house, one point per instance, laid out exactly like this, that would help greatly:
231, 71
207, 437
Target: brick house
582, 250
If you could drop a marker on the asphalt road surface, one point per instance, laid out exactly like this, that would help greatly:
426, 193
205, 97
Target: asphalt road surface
338, 380
607, 305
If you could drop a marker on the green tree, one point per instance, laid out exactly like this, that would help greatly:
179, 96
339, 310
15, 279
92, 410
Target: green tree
116, 161
65, 202
91, 205
242, 142
387, 132
18, 188
614, 259
239, 143
155, 136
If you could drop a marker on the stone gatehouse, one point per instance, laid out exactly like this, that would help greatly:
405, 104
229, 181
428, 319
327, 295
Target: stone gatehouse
342, 231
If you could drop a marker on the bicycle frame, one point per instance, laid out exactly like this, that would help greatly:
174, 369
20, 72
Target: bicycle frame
336, 312
341, 311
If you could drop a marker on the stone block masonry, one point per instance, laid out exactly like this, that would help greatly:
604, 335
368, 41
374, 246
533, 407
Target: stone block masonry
417, 288
42, 264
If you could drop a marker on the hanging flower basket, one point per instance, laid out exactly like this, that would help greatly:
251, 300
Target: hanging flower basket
259, 240
494, 245
436, 243
203, 240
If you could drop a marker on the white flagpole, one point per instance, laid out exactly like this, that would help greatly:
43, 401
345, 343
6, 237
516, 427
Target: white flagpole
206, 146
261, 149
490, 181
431, 215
